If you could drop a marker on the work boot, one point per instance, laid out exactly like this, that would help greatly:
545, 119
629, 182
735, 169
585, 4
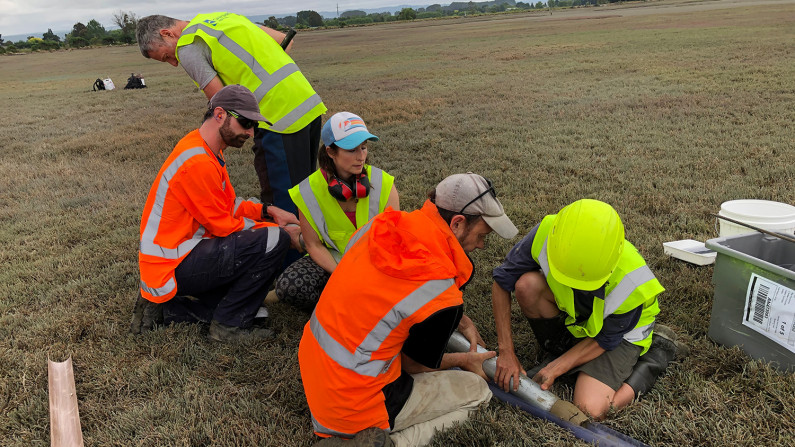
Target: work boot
146, 316
663, 350
371, 437
231, 334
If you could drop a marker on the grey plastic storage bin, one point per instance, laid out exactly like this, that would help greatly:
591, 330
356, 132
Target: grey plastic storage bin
747, 268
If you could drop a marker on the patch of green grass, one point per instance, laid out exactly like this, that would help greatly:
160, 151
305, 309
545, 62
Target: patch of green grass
665, 115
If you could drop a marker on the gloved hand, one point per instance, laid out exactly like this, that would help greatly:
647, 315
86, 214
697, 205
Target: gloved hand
146, 315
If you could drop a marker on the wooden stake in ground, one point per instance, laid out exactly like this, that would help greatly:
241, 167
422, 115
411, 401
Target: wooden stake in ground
64, 417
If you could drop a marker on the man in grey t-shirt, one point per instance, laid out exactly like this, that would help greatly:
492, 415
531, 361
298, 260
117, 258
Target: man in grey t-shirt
284, 153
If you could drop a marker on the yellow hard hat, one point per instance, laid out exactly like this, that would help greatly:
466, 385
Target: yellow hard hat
585, 243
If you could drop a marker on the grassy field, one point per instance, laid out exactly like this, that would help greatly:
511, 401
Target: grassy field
665, 115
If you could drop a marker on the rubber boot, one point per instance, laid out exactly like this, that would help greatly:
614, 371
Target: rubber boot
553, 338
552, 335
664, 349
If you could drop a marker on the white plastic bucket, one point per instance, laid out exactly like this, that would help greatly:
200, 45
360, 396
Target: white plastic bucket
765, 214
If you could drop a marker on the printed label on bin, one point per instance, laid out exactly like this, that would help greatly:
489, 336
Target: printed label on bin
770, 310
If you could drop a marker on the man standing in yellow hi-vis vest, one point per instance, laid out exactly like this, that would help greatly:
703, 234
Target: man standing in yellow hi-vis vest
591, 302
222, 48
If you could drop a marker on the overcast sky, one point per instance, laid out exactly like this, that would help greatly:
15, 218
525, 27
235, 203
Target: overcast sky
36, 16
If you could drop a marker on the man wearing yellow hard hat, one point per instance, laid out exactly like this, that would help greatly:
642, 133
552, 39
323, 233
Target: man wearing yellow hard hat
591, 302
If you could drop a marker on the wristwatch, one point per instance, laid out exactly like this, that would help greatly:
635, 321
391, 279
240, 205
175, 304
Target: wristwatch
265, 215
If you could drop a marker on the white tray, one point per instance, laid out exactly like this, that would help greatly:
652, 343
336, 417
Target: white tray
690, 250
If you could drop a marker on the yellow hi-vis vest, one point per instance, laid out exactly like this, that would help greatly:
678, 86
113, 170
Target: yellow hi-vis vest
324, 213
243, 53
630, 285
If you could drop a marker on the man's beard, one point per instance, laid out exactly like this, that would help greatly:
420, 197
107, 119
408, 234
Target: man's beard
230, 137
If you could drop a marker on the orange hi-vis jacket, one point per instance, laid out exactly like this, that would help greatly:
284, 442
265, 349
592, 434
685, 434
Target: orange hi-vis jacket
398, 270
191, 199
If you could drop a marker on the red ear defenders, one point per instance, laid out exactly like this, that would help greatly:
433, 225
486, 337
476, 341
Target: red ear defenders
342, 190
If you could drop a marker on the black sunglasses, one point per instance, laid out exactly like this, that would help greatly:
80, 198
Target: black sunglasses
490, 189
245, 123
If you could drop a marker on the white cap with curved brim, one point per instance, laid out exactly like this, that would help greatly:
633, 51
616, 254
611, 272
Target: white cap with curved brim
474, 195
346, 130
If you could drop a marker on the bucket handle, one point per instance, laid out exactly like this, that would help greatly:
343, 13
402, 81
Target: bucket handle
761, 230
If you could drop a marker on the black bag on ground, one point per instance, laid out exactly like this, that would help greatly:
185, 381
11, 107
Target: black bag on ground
99, 85
135, 81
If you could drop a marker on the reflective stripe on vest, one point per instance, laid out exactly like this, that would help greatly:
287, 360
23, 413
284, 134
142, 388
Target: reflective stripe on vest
359, 361
267, 80
319, 428
314, 210
639, 333
358, 235
148, 245
620, 293
376, 177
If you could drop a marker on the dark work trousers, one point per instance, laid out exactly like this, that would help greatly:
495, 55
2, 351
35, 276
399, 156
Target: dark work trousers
226, 279
284, 160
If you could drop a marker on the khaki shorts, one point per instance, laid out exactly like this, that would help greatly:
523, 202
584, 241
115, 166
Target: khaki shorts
612, 367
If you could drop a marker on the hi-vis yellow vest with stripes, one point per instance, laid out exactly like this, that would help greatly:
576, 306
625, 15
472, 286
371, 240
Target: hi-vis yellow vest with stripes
324, 213
630, 285
243, 53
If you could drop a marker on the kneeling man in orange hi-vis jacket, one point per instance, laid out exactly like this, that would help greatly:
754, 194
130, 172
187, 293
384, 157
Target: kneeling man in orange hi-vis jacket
205, 254
372, 357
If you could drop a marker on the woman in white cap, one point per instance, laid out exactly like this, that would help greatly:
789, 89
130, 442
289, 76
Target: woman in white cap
333, 202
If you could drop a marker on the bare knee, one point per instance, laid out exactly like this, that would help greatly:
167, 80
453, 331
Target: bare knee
593, 397
534, 296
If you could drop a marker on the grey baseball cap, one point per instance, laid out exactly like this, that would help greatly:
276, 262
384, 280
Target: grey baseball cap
239, 99
472, 194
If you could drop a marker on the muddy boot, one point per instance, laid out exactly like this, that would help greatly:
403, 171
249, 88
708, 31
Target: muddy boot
553, 338
664, 349
230, 334
371, 437
146, 316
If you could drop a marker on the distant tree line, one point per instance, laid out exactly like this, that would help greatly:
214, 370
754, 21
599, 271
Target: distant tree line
311, 19
82, 35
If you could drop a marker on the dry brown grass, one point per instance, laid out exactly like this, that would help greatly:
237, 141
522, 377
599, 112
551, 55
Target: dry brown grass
665, 115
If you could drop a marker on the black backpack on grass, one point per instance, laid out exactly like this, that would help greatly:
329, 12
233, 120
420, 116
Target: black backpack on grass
135, 81
99, 85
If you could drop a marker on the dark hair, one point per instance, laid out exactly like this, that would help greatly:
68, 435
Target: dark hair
448, 215
208, 114
326, 163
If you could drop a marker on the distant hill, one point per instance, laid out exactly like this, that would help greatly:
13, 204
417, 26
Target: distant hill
18, 37
333, 14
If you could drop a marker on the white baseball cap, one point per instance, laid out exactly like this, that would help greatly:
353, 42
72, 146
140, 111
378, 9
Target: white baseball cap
474, 195
346, 130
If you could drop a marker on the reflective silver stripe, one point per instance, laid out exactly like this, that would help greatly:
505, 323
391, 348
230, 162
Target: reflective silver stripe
542, 259
248, 223
313, 207
296, 114
358, 235
359, 361
238, 201
148, 246
167, 288
319, 428
376, 179
267, 80
273, 238
639, 333
625, 287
